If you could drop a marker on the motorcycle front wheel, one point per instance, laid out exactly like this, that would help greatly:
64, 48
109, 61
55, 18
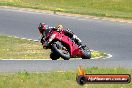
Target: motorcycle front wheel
60, 49
53, 56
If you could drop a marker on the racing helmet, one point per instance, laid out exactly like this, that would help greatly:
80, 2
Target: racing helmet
42, 27
59, 27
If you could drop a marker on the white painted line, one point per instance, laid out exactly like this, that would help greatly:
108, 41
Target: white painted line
36, 40
109, 56
91, 50
29, 39
9, 36
23, 38
15, 36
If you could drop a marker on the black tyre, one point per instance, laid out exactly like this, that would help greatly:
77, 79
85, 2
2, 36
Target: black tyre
53, 56
86, 53
57, 48
81, 80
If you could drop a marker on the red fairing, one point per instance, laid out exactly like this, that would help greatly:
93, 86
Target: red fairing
74, 49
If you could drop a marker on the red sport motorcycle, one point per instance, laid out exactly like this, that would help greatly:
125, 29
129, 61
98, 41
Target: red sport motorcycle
64, 47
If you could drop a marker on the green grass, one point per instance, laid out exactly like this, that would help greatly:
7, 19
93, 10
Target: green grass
108, 8
16, 48
57, 79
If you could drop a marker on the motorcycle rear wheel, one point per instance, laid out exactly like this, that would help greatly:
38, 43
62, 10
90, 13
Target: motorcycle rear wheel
57, 48
86, 53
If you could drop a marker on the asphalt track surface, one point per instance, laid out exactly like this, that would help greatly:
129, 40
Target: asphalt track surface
111, 37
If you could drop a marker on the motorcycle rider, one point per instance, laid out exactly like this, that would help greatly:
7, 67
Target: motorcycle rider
45, 29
